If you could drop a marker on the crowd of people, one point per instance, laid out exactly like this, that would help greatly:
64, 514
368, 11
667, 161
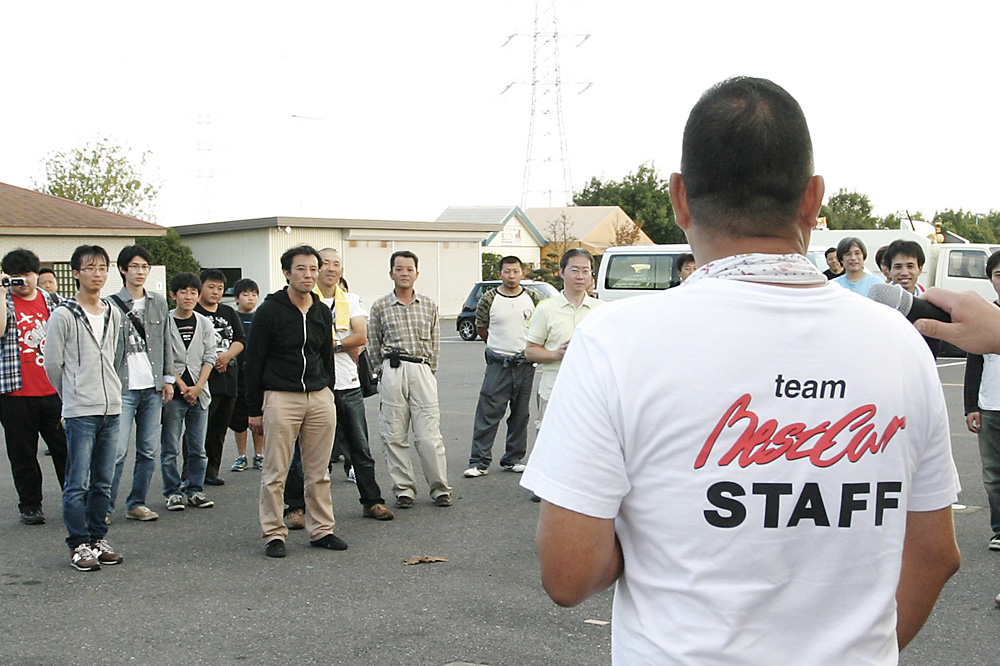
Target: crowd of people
87, 373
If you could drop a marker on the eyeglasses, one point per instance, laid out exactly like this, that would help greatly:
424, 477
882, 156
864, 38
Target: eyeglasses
139, 267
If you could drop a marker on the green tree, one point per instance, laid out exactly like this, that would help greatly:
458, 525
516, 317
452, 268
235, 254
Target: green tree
976, 227
101, 174
548, 271
491, 265
171, 252
644, 195
850, 210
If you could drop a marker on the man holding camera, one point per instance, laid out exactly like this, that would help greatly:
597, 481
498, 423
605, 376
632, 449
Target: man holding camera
29, 405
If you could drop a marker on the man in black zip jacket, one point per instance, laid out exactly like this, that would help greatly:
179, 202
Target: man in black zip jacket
289, 379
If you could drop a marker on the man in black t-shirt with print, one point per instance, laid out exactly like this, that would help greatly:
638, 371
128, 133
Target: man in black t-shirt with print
223, 382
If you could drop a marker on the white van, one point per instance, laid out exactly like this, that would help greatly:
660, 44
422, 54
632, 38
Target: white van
638, 269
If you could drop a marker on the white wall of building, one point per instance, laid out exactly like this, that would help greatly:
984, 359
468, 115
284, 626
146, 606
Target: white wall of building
450, 262
515, 239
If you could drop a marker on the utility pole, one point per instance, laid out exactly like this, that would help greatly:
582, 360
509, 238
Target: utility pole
547, 181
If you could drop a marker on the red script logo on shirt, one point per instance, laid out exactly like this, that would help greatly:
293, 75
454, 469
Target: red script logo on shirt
762, 443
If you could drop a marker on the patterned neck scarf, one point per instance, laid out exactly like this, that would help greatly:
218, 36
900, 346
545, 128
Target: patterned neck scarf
755, 267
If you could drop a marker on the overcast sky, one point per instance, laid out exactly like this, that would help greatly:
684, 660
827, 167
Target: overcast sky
393, 110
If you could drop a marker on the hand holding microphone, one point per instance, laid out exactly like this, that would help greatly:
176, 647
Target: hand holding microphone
912, 308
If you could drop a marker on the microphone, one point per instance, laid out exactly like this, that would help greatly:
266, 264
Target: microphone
912, 308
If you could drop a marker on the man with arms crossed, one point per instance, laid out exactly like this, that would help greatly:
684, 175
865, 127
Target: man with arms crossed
193, 350
29, 405
554, 320
756, 502
143, 352
502, 321
404, 339
290, 380
80, 362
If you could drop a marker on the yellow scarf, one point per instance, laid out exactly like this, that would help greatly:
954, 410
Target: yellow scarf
341, 308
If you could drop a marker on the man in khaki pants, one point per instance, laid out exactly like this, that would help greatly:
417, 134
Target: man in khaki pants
290, 378
404, 339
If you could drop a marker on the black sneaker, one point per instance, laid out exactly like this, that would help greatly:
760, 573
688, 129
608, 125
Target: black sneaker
199, 501
275, 548
214, 481
330, 542
33, 517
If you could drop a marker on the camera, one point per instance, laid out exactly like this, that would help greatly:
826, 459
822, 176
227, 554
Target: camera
8, 282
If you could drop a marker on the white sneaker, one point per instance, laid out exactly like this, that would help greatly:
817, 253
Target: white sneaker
350, 476
517, 469
473, 472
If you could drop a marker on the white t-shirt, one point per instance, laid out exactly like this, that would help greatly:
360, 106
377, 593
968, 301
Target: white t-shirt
96, 325
508, 321
344, 366
140, 369
989, 386
752, 557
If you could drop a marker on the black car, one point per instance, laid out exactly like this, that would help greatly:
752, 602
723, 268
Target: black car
467, 320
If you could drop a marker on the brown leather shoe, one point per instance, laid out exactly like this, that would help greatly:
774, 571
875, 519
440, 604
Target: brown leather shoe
295, 519
443, 500
378, 512
404, 502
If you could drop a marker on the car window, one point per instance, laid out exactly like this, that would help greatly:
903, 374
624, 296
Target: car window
641, 271
967, 264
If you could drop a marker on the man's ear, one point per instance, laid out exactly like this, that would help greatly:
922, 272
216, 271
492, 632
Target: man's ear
678, 199
812, 199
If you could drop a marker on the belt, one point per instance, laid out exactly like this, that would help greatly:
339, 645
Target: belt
515, 360
394, 357
414, 359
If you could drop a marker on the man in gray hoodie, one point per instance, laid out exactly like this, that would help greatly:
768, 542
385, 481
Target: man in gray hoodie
80, 363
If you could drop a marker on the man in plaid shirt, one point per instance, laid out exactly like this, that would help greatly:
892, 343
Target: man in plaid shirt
29, 405
404, 336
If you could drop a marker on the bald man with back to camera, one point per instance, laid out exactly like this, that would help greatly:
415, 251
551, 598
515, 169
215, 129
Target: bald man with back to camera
755, 501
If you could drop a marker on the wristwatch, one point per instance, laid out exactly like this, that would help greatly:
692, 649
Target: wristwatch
338, 347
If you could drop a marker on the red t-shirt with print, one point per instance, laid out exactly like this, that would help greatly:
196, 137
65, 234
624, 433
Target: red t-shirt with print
32, 319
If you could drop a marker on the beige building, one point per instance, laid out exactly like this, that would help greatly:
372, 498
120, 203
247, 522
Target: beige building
595, 228
52, 228
448, 252
518, 236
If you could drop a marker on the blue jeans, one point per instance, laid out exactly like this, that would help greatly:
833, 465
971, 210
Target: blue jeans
193, 419
91, 445
144, 407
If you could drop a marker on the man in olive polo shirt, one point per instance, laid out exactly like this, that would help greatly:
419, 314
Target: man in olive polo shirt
554, 320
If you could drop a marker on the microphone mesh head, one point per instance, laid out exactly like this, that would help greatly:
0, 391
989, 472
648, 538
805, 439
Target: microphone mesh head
892, 295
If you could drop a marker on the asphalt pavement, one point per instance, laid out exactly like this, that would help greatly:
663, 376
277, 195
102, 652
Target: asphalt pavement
196, 588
